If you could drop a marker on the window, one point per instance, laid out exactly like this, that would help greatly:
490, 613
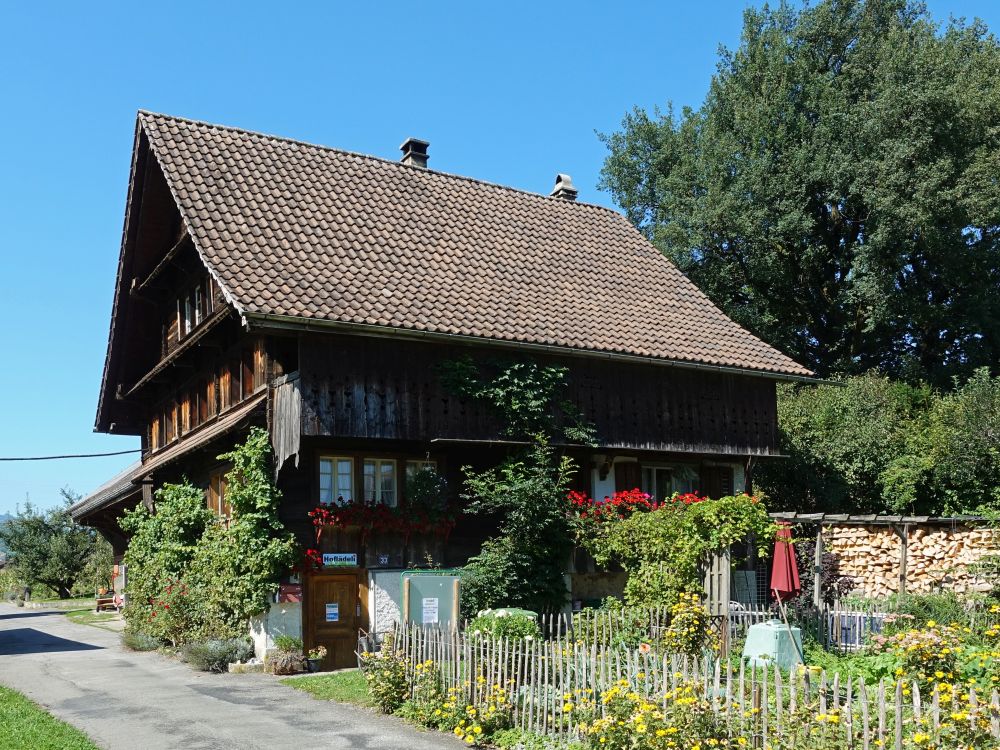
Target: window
155, 435
216, 498
380, 481
663, 481
188, 315
336, 480
656, 482
199, 302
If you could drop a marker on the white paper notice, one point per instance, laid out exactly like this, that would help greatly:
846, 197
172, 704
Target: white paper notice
430, 611
333, 612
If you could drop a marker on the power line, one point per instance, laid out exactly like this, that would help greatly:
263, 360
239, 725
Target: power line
74, 455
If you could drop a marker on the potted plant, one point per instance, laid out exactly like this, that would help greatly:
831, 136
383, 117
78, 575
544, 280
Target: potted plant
287, 657
315, 657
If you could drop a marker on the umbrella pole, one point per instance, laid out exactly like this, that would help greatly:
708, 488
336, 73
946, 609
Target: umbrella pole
784, 617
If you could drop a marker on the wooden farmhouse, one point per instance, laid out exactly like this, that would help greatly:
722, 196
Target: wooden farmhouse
315, 292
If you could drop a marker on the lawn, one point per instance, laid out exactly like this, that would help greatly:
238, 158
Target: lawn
347, 686
25, 725
90, 617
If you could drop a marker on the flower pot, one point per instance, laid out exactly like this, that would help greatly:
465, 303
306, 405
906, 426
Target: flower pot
313, 665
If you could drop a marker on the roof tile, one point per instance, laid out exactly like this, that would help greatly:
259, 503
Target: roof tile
299, 230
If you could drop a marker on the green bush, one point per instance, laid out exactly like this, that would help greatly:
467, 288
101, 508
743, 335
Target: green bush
385, 673
288, 643
505, 623
215, 655
137, 641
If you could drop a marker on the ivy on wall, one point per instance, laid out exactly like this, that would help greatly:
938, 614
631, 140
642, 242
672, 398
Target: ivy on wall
190, 574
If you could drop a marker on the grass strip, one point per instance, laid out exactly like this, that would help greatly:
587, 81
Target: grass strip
24, 725
346, 686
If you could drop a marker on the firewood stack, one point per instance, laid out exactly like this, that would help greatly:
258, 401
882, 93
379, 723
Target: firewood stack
937, 557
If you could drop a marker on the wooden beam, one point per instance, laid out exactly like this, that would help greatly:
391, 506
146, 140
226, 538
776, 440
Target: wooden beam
160, 267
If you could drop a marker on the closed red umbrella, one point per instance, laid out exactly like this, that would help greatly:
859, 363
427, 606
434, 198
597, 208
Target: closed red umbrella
785, 577
785, 570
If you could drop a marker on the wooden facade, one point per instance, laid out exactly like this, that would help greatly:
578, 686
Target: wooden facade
189, 375
390, 389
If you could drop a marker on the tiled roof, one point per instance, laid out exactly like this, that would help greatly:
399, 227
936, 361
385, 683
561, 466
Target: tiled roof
292, 229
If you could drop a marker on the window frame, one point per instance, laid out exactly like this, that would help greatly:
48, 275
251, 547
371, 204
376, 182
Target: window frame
377, 480
334, 476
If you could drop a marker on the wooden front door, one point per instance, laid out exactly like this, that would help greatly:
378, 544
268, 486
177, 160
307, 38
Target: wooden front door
336, 610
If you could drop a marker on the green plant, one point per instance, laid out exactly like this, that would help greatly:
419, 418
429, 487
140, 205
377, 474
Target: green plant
663, 550
47, 547
689, 628
193, 577
215, 655
505, 623
27, 726
160, 551
523, 566
236, 567
427, 700
138, 641
288, 643
385, 674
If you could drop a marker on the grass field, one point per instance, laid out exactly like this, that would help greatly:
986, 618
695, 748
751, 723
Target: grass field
25, 725
347, 686
90, 617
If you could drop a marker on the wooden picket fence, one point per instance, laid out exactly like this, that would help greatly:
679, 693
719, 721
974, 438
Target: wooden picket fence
761, 704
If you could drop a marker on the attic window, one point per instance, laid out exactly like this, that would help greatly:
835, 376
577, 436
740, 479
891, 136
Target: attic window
193, 308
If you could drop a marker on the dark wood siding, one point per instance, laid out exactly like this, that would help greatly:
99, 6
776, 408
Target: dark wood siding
381, 388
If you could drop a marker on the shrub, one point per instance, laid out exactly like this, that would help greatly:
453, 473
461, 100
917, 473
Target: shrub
215, 655
688, 632
426, 705
505, 623
385, 673
491, 714
138, 641
288, 644
684, 719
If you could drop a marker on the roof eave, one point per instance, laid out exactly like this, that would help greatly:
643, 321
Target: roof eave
291, 322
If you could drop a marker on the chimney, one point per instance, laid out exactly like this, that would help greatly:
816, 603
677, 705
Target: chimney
564, 188
414, 152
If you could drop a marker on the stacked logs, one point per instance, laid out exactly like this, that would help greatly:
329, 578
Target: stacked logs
937, 557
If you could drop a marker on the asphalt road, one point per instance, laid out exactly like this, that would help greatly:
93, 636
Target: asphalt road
145, 701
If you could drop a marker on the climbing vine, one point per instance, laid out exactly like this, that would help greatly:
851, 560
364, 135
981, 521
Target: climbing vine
664, 546
191, 574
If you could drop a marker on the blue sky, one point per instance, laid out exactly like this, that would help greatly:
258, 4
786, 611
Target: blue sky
507, 92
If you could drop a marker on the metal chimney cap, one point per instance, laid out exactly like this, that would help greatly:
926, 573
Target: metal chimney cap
564, 188
414, 152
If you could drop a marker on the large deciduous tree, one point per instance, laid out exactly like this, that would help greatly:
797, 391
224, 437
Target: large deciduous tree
837, 192
48, 547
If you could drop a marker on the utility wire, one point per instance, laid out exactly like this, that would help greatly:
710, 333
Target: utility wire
75, 455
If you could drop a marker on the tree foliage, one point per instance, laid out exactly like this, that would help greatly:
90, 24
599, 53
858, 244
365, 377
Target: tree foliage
48, 547
874, 445
836, 192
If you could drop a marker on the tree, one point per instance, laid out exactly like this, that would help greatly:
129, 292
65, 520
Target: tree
48, 547
873, 445
835, 193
